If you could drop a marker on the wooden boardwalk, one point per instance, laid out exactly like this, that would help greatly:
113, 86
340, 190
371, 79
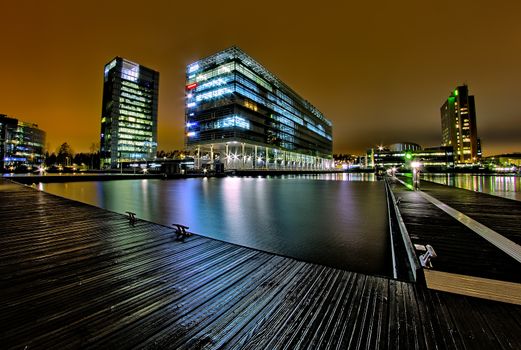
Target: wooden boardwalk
461, 251
503, 215
76, 276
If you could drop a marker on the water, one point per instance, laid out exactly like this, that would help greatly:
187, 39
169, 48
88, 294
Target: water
335, 220
508, 186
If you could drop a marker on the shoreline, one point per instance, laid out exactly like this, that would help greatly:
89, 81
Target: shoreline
29, 179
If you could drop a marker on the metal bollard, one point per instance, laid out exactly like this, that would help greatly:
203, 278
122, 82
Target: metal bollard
425, 259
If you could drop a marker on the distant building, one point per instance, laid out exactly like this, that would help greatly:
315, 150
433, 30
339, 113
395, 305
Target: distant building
505, 160
6, 124
404, 146
129, 113
458, 126
435, 158
480, 152
240, 115
21, 144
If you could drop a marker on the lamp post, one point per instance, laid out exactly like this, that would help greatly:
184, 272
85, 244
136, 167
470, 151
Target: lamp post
416, 175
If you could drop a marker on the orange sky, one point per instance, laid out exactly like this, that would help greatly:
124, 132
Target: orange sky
380, 71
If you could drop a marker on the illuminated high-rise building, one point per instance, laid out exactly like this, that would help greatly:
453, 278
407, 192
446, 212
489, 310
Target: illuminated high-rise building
21, 143
458, 125
241, 116
129, 113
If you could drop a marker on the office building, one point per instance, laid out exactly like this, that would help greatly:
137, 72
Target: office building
506, 161
401, 155
5, 124
404, 146
21, 144
129, 113
241, 116
458, 126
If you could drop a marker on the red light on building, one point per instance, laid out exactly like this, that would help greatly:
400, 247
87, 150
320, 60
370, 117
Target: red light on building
191, 86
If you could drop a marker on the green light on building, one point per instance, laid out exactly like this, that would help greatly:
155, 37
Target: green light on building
456, 92
408, 156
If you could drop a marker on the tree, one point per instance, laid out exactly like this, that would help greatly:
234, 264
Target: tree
95, 155
65, 154
50, 159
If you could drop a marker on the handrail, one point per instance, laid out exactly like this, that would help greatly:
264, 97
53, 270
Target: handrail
393, 254
409, 247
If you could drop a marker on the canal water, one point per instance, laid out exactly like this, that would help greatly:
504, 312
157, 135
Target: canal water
508, 186
335, 220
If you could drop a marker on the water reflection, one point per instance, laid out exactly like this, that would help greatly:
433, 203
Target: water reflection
508, 186
340, 222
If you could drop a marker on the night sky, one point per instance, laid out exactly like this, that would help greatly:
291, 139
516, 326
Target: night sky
380, 71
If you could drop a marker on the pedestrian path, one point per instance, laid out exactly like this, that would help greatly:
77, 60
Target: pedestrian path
76, 276
501, 242
468, 260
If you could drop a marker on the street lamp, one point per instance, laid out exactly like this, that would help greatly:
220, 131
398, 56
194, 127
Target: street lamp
416, 175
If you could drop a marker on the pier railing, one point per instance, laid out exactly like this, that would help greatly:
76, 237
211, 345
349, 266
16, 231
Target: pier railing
406, 265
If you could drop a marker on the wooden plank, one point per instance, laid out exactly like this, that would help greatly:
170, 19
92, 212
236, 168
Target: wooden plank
503, 291
271, 324
469, 324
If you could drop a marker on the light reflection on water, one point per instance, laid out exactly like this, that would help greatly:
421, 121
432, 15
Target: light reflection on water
507, 186
336, 220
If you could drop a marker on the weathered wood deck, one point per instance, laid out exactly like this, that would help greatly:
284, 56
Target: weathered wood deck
72, 275
503, 215
460, 250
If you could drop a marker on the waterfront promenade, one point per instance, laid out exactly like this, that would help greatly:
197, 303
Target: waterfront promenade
73, 275
476, 237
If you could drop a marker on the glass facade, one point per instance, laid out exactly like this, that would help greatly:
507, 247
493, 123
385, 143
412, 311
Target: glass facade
129, 113
21, 144
240, 114
458, 126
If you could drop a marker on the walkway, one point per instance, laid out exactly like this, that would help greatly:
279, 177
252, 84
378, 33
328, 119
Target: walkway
73, 275
458, 224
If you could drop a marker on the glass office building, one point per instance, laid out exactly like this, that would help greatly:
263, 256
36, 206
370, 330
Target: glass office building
21, 144
240, 115
129, 113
